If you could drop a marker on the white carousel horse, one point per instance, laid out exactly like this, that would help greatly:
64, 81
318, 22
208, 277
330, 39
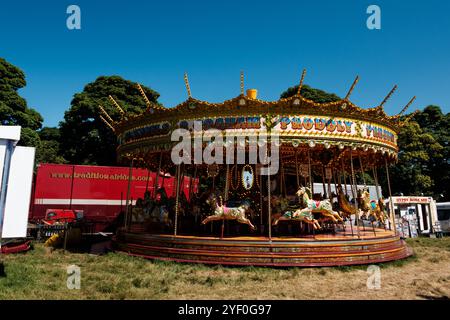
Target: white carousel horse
222, 212
295, 214
324, 207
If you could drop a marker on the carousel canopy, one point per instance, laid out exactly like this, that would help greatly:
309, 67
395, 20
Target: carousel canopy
298, 122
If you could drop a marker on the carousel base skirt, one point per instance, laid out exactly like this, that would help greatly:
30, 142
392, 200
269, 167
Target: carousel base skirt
339, 249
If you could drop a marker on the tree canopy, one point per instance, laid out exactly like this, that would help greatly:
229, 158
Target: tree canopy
412, 175
437, 124
313, 94
13, 108
85, 139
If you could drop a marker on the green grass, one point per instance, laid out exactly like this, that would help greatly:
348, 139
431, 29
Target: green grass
443, 243
40, 274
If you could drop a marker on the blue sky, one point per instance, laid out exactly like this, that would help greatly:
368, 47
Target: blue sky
155, 42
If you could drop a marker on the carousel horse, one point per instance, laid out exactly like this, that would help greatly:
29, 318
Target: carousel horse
158, 210
347, 209
137, 212
164, 216
306, 217
222, 212
374, 209
324, 207
363, 196
295, 214
379, 210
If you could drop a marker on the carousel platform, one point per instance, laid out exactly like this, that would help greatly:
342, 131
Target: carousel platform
339, 249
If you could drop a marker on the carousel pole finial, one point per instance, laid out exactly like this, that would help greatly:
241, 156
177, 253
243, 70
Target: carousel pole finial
141, 91
388, 96
242, 83
407, 106
186, 82
107, 123
301, 82
351, 88
116, 104
103, 111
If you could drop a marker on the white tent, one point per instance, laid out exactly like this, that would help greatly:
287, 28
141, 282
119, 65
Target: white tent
16, 175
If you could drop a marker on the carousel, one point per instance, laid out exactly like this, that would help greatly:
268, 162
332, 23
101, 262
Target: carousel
255, 202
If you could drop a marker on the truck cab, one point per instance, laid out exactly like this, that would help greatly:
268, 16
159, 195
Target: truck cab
56, 216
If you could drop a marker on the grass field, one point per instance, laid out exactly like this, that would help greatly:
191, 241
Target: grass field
40, 274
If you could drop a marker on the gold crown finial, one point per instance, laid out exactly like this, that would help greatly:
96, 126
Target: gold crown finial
388, 96
351, 88
301, 82
186, 82
116, 104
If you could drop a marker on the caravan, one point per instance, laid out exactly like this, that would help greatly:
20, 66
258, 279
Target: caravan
443, 213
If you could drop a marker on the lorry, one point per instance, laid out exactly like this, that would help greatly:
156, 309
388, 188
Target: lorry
99, 192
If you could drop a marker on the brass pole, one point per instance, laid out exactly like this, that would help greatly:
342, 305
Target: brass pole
362, 170
269, 208
375, 177
329, 189
128, 194
177, 199
345, 178
296, 169
309, 172
260, 199
323, 181
269, 216
155, 189
192, 182
354, 190
390, 196
225, 197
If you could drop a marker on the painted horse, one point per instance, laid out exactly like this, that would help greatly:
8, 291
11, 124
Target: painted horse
222, 212
282, 212
375, 209
347, 209
324, 207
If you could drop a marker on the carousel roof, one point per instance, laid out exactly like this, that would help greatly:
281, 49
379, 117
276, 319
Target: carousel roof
246, 105
137, 126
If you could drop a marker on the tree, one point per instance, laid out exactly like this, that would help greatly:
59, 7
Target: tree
14, 111
85, 139
49, 148
413, 174
434, 122
313, 94
13, 108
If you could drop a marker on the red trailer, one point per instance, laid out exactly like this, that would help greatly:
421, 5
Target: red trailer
100, 192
